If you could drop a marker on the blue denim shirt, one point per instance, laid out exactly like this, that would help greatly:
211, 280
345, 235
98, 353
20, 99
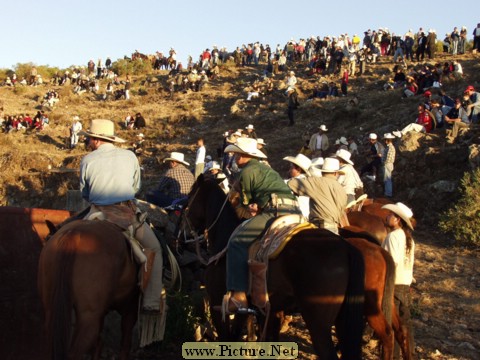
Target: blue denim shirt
109, 175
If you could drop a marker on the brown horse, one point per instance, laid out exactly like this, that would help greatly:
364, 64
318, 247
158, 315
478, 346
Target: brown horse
317, 273
380, 310
372, 224
86, 267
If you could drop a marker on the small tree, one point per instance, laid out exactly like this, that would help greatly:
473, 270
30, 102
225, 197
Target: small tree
463, 219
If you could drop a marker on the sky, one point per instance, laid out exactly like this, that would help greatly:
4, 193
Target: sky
62, 33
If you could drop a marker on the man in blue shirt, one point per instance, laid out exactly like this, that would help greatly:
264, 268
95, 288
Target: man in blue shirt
109, 180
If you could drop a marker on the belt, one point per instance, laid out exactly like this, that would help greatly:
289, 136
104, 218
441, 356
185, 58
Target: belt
283, 201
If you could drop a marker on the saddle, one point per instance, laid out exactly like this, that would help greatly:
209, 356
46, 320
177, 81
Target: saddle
268, 248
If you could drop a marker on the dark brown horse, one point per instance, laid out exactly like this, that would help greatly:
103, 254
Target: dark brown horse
317, 273
85, 267
380, 310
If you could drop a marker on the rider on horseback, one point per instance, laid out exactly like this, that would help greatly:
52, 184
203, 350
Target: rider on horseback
264, 196
109, 180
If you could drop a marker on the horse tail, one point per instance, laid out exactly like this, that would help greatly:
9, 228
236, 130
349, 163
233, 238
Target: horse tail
351, 317
389, 289
61, 310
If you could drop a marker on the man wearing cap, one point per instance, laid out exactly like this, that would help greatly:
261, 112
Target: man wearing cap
319, 142
388, 159
473, 108
175, 184
109, 180
300, 169
400, 244
264, 196
375, 155
349, 180
328, 199
74, 131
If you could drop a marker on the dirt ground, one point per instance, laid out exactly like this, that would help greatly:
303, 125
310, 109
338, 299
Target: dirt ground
38, 171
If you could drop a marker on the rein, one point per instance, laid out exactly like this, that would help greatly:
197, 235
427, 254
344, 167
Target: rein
197, 238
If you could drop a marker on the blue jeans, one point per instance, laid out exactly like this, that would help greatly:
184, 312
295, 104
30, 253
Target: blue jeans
387, 179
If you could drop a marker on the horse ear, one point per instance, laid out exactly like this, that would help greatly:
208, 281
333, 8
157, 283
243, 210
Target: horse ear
51, 227
200, 179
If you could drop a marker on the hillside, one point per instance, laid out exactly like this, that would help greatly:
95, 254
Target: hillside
38, 168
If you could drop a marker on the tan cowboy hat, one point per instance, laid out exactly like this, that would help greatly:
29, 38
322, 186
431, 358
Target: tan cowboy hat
388, 136
331, 165
401, 210
301, 161
102, 129
345, 155
317, 162
177, 157
246, 146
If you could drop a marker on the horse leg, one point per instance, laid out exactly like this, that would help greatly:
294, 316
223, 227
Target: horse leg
87, 332
129, 318
384, 331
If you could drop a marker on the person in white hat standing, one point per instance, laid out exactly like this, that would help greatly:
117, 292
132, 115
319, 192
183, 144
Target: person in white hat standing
319, 142
175, 184
328, 198
110, 178
400, 244
74, 131
375, 154
264, 196
388, 159
350, 180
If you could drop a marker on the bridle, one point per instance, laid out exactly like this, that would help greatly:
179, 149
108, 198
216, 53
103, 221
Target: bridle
198, 238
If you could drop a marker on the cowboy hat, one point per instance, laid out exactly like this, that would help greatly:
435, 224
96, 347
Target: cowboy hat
301, 161
401, 210
246, 146
177, 157
261, 142
215, 166
76, 118
318, 161
372, 136
323, 128
249, 127
141, 135
345, 155
102, 129
388, 136
331, 165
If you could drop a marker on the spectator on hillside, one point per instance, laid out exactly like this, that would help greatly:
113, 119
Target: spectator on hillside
200, 157
292, 105
473, 109
109, 89
447, 42
430, 44
388, 158
290, 80
457, 70
139, 122
423, 123
319, 143
462, 41
458, 119
74, 130
421, 44
455, 37
251, 131
127, 88
411, 87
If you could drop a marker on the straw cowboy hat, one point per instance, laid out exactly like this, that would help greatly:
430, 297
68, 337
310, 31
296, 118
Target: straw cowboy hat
261, 142
102, 129
345, 155
317, 162
76, 118
177, 157
323, 128
401, 210
246, 146
331, 165
301, 161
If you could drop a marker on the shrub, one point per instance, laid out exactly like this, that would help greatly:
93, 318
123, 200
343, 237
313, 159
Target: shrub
123, 67
462, 220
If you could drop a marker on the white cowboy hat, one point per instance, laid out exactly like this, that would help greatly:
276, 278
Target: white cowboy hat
141, 135
318, 161
215, 166
75, 118
388, 136
345, 155
301, 161
331, 165
102, 129
372, 136
343, 140
246, 146
249, 127
261, 142
401, 210
177, 157
323, 128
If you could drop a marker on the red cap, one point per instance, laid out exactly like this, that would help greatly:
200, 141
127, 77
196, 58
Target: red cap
427, 93
470, 88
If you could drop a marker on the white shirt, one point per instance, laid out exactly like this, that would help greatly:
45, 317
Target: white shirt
350, 180
76, 127
303, 201
200, 155
396, 244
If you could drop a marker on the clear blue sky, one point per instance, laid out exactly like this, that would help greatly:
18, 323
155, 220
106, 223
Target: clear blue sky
64, 33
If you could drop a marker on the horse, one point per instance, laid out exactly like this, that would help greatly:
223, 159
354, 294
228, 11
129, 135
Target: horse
379, 311
372, 224
85, 266
317, 272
